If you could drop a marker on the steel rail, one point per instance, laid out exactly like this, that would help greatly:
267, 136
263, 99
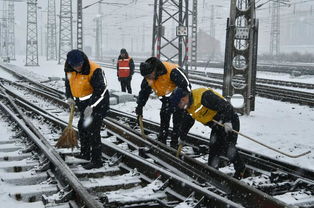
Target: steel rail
234, 188
276, 93
176, 181
51, 154
38, 84
251, 158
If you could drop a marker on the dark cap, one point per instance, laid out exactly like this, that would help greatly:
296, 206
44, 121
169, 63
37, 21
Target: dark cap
75, 58
123, 50
146, 68
176, 96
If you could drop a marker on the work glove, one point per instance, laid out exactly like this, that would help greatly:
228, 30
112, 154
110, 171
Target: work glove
182, 141
88, 112
70, 101
228, 127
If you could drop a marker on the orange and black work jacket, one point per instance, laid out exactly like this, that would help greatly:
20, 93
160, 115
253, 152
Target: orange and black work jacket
125, 67
207, 104
88, 87
167, 79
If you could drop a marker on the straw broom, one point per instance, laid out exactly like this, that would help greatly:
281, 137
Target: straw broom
68, 139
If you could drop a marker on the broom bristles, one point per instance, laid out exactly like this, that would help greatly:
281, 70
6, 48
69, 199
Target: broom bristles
68, 139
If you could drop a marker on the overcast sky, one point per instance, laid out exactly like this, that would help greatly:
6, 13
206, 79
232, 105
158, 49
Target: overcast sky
132, 22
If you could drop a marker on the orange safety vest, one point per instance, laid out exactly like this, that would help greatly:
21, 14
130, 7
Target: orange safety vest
124, 68
80, 83
197, 110
163, 85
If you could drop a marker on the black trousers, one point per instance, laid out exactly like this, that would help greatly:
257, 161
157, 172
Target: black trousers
89, 134
165, 115
126, 84
222, 143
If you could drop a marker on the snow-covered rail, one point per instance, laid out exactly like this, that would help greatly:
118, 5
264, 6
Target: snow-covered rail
289, 183
125, 150
130, 174
273, 89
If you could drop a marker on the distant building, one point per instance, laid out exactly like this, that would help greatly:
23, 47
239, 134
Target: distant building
207, 47
297, 31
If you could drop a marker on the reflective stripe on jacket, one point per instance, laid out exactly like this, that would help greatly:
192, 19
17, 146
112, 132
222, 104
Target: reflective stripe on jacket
80, 83
163, 85
124, 68
197, 110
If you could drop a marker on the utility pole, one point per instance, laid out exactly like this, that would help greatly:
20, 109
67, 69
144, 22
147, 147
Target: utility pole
79, 28
241, 55
65, 29
212, 22
51, 31
98, 42
4, 31
41, 31
194, 37
175, 49
275, 29
32, 36
143, 38
11, 31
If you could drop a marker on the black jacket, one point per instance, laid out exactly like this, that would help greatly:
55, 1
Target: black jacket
99, 84
224, 109
176, 75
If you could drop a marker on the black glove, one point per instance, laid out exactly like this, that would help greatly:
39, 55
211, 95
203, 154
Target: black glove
70, 101
139, 111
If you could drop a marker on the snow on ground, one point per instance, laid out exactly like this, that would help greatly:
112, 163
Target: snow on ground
285, 126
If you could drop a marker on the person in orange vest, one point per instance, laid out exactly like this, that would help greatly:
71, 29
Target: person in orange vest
86, 87
162, 78
205, 105
125, 70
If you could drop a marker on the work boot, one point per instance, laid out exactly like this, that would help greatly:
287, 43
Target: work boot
174, 145
242, 174
92, 165
82, 157
162, 140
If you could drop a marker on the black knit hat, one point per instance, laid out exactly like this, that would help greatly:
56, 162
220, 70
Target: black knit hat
146, 68
123, 50
75, 58
176, 96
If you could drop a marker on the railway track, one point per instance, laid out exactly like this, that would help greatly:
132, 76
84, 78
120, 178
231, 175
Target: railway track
180, 181
305, 69
264, 87
125, 173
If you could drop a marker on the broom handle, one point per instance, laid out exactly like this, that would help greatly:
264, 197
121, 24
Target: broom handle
179, 150
71, 115
258, 142
140, 120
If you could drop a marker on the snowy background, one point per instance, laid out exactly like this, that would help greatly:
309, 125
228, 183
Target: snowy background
285, 126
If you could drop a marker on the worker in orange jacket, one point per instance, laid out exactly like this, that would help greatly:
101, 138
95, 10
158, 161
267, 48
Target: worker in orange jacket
86, 87
205, 105
125, 70
162, 78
